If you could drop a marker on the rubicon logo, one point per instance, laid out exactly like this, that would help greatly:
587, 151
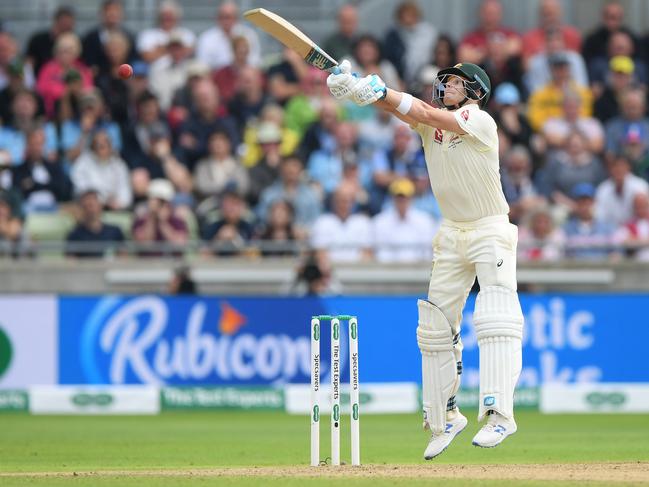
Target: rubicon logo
6, 352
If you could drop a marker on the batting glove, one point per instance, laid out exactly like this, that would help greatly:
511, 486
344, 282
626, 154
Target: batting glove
369, 89
341, 81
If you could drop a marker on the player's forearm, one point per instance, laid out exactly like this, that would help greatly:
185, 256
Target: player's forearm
418, 111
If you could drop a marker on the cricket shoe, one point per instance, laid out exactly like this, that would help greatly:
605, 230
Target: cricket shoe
440, 441
495, 431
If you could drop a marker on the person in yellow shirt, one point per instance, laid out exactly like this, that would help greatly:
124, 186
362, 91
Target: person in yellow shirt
547, 102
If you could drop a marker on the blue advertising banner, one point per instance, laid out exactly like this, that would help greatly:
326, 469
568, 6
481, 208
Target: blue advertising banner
252, 341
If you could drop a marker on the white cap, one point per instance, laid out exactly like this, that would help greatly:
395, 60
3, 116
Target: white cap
161, 189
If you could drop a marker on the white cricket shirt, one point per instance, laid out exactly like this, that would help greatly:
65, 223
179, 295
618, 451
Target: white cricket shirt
464, 170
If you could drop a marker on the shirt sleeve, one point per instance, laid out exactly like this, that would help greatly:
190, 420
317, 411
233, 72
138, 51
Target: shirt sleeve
424, 131
478, 125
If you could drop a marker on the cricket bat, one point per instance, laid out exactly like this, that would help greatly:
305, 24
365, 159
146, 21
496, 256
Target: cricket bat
291, 37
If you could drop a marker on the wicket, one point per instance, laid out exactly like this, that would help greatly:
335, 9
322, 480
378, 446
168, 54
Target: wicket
352, 325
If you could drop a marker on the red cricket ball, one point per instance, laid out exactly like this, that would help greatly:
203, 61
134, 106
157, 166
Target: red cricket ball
125, 71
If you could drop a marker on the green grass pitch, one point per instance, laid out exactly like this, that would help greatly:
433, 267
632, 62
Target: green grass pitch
182, 441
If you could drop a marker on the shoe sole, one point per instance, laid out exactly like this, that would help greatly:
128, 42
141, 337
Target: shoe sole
449, 444
492, 446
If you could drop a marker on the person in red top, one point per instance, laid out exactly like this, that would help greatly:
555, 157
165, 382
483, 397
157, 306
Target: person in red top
550, 19
473, 47
51, 79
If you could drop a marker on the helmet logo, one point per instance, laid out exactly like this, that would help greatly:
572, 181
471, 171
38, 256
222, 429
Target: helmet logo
458, 65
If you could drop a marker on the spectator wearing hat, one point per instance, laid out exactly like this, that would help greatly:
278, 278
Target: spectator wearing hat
292, 187
76, 133
614, 196
508, 115
556, 130
634, 235
51, 84
620, 44
619, 80
566, 168
41, 44
633, 114
168, 73
547, 102
158, 224
101, 168
23, 117
215, 46
232, 231
550, 19
586, 236
152, 43
539, 66
344, 236
41, 181
539, 238
219, 169
402, 233
92, 237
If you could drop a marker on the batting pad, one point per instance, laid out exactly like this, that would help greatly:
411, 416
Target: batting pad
438, 366
498, 322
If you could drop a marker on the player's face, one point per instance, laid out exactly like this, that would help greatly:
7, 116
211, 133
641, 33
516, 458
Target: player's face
455, 91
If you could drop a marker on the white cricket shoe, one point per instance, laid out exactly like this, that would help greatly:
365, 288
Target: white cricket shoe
495, 431
440, 441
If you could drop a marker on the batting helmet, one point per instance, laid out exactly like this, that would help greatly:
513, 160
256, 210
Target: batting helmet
478, 86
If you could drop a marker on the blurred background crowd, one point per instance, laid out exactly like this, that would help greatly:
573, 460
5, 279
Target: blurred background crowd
217, 147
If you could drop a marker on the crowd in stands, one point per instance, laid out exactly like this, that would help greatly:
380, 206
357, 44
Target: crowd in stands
212, 142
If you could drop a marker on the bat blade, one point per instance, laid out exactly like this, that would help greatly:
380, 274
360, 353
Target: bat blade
291, 37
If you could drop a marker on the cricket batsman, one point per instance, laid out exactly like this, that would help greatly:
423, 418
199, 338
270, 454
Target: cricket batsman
475, 238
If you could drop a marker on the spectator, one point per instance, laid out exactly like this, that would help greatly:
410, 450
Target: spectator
500, 66
214, 46
23, 113
95, 50
292, 188
315, 277
42, 181
92, 237
474, 46
339, 44
11, 64
557, 129
249, 98
539, 238
636, 149
619, 80
76, 133
266, 171
516, 176
634, 235
508, 114
11, 228
345, 236
368, 59
586, 236
18, 80
377, 133
273, 114
114, 89
228, 77
279, 235
539, 68
568, 167
152, 43
596, 43
219, 169
547, 102
284, 77
402, 233
232, 231
208, 117
444, 53
320, 135
325, 166
169, 71
137, 140
402, 160
183, 99
619, 44
409, 43
634, 114
182, 283
51, 84
302, 109
40, 44
101, 168
158, 230
550, 19
614, 196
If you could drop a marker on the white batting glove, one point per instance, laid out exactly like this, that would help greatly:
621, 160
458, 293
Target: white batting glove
341, 81
368, 90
